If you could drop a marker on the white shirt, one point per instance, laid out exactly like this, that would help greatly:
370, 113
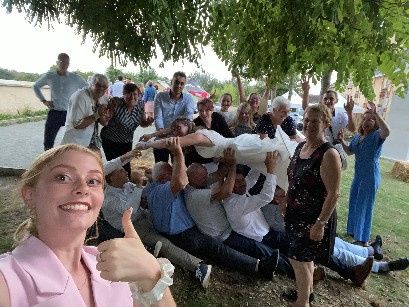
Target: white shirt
117, 89
80, 106
117, 200
339, 121
209, 216
243, 211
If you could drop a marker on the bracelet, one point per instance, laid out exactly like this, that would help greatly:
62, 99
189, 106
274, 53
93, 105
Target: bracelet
156, 294
321, 221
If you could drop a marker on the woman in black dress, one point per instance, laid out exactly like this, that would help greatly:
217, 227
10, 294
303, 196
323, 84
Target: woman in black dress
314, 177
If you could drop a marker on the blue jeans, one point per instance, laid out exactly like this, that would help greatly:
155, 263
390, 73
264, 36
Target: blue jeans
55, 120
201, 245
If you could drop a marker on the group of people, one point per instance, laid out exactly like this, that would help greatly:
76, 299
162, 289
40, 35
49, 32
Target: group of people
243, 190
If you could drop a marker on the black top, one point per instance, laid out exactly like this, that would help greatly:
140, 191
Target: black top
265, 125
219, 125
305, 199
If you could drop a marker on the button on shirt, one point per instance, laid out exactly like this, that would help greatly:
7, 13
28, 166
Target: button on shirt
167, 110
244, 211
168, 212
62, 87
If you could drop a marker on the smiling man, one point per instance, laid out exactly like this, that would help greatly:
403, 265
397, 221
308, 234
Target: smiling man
171, 105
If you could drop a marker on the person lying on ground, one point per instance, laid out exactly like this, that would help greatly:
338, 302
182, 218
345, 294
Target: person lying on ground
121, 194
171, 218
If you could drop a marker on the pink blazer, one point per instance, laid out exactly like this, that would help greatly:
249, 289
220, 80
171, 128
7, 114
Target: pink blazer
36, 277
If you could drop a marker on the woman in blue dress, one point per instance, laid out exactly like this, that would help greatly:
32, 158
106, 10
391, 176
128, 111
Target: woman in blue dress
367, 147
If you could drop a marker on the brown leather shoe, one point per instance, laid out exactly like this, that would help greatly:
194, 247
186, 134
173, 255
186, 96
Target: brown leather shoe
361, 272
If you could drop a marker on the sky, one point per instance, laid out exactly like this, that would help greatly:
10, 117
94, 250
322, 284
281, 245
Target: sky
29, 48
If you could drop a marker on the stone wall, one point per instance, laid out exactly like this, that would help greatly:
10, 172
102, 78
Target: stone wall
16, 96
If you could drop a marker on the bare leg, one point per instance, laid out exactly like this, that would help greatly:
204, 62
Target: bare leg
187, 140
303, 279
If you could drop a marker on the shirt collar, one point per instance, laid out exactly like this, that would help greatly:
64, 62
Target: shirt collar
46, 270
170, 95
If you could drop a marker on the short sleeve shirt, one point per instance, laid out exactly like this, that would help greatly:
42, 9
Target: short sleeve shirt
168, 212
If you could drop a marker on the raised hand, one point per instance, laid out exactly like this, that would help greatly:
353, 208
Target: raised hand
349, 106
173, 145
126, 259
271, 161
229, 156
305, 84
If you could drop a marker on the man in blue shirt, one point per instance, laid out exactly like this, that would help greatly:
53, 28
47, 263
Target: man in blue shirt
170, 105
171, 218
63, 84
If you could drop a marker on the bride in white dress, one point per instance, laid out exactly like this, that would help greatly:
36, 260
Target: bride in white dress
250, 148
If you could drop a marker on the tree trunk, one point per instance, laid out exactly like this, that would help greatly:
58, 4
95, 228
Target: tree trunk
290, 87
242, 95
325, 82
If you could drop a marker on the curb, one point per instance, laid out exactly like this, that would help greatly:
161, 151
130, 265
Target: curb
22, 120
8, 172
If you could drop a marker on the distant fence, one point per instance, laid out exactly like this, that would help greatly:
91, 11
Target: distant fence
17, 96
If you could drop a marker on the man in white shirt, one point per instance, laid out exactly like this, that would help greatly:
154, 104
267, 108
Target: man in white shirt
84, 113
244, 210
206, 209
117, 89
120, 194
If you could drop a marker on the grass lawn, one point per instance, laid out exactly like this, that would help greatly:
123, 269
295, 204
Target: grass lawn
229, 288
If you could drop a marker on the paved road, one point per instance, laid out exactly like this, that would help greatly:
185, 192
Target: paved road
22, 143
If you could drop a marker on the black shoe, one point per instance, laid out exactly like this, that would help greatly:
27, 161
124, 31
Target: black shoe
377, 247
398, 265
291, 295
267, 267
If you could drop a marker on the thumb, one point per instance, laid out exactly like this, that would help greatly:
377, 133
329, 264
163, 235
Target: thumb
127, 225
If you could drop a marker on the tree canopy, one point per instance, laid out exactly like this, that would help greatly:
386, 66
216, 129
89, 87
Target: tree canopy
274, 39
259, 39
126, 30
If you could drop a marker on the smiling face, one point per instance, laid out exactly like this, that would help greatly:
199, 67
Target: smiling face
99, 88
67, 195
279, 114
330, 99
254, 101
205, 113
226, 103
314, 124
131, 98
368, 123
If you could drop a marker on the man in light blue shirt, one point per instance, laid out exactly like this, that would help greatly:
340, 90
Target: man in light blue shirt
117, 89
171, 105
62, 84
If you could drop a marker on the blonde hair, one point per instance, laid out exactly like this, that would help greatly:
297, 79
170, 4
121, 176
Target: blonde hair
322, 110
30, 179
243, 107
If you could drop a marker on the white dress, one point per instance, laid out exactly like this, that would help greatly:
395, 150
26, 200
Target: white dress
251, 150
